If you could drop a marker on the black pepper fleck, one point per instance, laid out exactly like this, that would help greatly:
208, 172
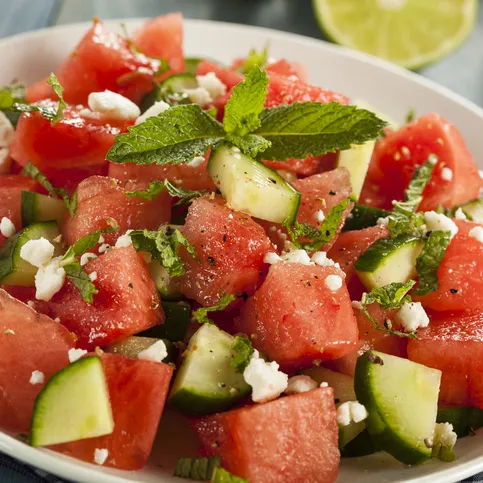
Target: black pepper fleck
224, 237
453, 290
376, 359
169, 230
332, 192
130, 285
211, 261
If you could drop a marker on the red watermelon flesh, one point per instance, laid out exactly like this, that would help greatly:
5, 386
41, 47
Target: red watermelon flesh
100, 198
102, 60
188, 177
453, 343
230, 247
289, 69
127, 302
162, 38
460, 274
397, 156
227, 76
295, 319
28, 342
71, 149
11, 187
371, 338
137, 390
292, 439
350, 245
305, 167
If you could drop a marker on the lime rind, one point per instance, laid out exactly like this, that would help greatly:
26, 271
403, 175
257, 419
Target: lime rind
410, 33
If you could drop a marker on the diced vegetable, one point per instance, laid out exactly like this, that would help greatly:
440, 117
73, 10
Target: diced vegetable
37, 207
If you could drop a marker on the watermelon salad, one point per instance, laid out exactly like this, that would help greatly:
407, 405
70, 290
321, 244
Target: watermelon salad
297, 278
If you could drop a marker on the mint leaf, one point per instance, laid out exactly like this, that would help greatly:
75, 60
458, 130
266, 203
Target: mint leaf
312, 128
222, 476
59, 90
242, 352
246, 103
10, 95
410, 116
389, 297
429, 260
318, 237
156, 187
201, 314
163, 246
253, 59
414, 192
196, 468
32, 171
251, 144
176, 135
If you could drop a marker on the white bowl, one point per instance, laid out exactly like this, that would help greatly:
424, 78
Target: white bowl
387, 88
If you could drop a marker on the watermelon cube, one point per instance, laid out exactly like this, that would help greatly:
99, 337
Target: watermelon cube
28, 342
296, 319
292, 439
230, 247
137, 390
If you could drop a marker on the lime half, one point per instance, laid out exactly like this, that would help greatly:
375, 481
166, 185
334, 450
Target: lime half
411, 33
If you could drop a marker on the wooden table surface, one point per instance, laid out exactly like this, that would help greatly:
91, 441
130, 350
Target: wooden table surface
461, 71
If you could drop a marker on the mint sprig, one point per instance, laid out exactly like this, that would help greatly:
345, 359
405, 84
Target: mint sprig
201, 314
429, 260
253, 59
33, 172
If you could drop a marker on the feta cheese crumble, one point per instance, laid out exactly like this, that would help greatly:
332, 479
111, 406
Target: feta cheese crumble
271, 258
351, 411
297, 384
157, 108
6, 131
124, 240
477, 233
297, 256
104, 247
111, 105
7, 228
265, 379
86, 258
321, 259
49, 280
93, 276
460, 214
212, 84
412, 316
199, 95
437, 221
319, 216
155, 353
76, 354
37, 252
444, 435
446, 174
37, 377
333, 282
383, 221
196, 162
100, 456
356, 305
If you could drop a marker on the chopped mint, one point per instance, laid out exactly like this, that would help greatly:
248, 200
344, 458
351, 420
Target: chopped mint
59, 90
242, 352
410, 116
156, 187
9, 95
201, 314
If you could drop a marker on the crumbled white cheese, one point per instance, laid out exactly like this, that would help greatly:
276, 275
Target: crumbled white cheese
124, 240
57, 319
199, 95
93, 276
433, 159
324, 384
271, 258
37, 377
101, 239
477, 233
297, 256
437, 221
31, 304
351, 411
212, 84
76, 354
319, 216
155, 353
356, 305
49, 280
230, 216
383, 221
321, 258
86, 258
265, 379
444, 434
111, 105
153, 111
333, 282
460, 214
446, 174
196, 162
297, 384
104, 247
6, 131
7, 228
37, 252
100, 456
412, 316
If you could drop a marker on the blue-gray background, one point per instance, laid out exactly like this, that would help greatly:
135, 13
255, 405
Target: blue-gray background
461, 71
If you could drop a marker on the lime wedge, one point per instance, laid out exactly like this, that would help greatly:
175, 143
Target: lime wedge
411, 33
